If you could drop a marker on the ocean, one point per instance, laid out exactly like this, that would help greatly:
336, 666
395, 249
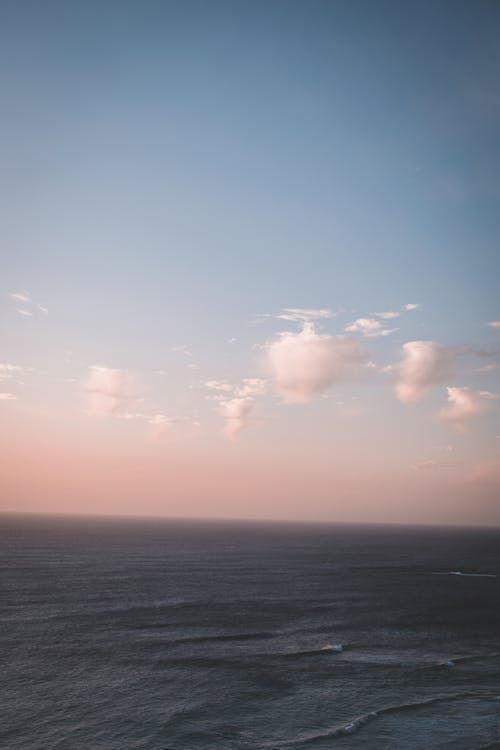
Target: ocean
173, 635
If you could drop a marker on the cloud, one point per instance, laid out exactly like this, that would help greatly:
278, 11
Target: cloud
413, 306
8, 397
464, 405
370, 328
433, 464
161, 423
221, 386
253, 387
30, 306
306, 363
425, 364
389, 315
183, 349
9, 371
494, 323
304, 315
110, 390
237, 413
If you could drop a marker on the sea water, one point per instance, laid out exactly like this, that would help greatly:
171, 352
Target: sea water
173, 635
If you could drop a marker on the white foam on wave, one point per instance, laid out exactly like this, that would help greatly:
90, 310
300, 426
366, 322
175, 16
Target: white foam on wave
354, 725
462, 573
337, 647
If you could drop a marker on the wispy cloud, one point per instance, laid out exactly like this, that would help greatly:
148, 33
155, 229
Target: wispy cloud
464, 404
413, 306
306, 363
8, 396
9, 371
389, 315
29, 304
221, 386
488, 368
304, 315
434, 464
425, 364
110, 390
183, 349
370, 328
494, 323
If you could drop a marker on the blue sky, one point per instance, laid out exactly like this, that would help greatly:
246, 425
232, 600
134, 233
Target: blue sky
171, 171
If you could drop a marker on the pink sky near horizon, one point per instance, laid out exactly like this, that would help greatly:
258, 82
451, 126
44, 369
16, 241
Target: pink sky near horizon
370, 457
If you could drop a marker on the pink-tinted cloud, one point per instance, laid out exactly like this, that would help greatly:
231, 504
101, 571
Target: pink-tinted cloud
8, 396
306, 363
425, 364
494, 323
252, 387
110, 390
464, 404
413, 306
237, 413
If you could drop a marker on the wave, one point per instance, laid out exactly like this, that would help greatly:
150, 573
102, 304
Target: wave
329, 648
462, 573
351, 727
463, 660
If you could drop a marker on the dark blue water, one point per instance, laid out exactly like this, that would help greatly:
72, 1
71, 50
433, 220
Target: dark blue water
172, 635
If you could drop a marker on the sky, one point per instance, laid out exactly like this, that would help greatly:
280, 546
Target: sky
250, 260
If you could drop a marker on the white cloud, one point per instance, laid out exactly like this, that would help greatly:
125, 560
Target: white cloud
29, 304
22, 296
237, 413
413, 306
370, 328
9, 371
110, 390
464, 404
306, 363
8, 397
494, 323
304, 315
425, 364
252, 387
389, 315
